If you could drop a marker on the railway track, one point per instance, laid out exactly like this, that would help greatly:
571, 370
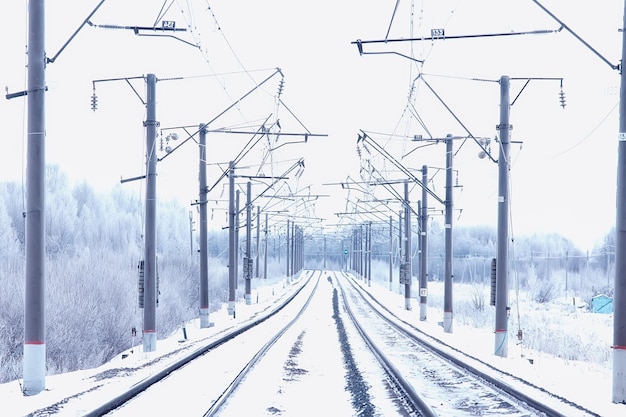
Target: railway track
264, 359
435, 382
198, 383
287, 362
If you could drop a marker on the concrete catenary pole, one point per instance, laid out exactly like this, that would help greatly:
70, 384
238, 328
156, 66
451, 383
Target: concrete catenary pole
619, 303
247, 264
232, 245
301, 264
237, 212
353, 251
350, 260
361, 267
298, 250
390, 253
357, 251
150, 273
407, 248
288, 245
293, 248
419, 246
34, 359
357, 259
449, 274
258, 240
424, 247
502, 256
364, 251
204, 255
369, 254
265, 251
400, 253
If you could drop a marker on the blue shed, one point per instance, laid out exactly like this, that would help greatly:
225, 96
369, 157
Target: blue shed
602, 304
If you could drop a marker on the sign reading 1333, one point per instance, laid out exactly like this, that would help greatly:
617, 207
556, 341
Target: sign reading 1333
437, 33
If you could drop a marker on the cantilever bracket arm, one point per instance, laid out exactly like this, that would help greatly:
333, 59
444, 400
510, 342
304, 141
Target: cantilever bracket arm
613, 66
359, 44
169, 36
82, 25
167, 27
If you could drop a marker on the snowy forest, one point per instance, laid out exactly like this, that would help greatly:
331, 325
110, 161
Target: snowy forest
94, 242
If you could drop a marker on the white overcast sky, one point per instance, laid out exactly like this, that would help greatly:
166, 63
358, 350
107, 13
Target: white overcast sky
564, 169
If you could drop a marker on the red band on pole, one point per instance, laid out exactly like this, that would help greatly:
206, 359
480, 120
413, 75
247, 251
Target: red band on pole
34, 342
619, 347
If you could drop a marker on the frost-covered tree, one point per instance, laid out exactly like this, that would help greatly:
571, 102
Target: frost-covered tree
60, 209
11, 294
93, 244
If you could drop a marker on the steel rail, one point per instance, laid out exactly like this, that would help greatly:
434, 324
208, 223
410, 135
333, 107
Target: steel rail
142, 386
402, 384
221, 400
376, 306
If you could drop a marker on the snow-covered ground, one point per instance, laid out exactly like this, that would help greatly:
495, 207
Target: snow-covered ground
315, 355
585, 383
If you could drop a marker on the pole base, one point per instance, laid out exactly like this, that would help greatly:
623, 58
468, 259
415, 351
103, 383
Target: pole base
501, 344
204, 319
407, 304
149, 341
423, 311
248, 298
619, 375
447, 322
34, 363
231, 308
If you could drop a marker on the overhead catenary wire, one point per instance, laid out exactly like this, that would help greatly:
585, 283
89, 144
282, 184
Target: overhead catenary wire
277, 71
410, 108
588, 135
265, 133
189, 20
